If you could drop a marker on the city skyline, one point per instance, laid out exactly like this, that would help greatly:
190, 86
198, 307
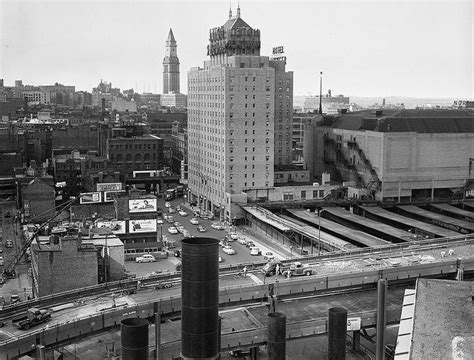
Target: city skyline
388, 48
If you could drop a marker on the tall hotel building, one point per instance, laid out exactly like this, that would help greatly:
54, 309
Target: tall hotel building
233, 101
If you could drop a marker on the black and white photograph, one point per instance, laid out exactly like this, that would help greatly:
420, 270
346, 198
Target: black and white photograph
210, 179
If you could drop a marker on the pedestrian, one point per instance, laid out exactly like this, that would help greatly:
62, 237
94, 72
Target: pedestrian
277, 269
244, 271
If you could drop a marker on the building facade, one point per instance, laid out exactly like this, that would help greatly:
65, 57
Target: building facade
171, 66
397, 155
231, 109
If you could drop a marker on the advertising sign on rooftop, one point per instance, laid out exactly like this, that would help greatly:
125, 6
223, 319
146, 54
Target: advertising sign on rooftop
110, 196
109, 186
116, 226
90, 198
142, 205
141, 226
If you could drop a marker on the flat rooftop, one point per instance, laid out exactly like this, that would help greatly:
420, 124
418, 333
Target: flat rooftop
443, 320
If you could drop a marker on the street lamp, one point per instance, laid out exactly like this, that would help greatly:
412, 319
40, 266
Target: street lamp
319, 233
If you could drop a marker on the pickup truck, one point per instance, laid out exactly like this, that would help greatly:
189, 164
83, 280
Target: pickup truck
33, 317
298, 269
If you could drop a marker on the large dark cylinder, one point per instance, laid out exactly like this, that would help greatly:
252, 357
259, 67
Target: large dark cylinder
134, 339
200, 298
337, 333
276, 340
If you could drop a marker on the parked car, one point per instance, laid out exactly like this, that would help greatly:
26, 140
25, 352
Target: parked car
242, 241
182, 213
181, 229
176, 224
167, 204
172, 230
169, 218
222, 243
201, 228
194, 221
171, 210
268, 256
255, 251
186, 233
233, 236
9, 244
228, 250
221, 259
177, 253
145, 258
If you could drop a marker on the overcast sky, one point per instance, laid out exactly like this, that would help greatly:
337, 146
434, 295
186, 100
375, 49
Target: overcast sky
364, 48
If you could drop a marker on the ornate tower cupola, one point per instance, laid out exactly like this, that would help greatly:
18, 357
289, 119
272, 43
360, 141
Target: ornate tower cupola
235, 37
171, 66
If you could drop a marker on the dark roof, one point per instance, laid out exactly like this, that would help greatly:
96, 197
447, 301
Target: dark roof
171, 36
236, 23
420, 121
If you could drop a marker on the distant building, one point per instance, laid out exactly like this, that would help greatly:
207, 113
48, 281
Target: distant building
330, 104
171, 66
178, 101
38, 200
121, 104
396, 154
135, 153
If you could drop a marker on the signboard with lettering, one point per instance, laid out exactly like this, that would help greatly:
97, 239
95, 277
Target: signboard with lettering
90, 198
109, 186
110, 196
353, 324
142, 205
116, 226
141, 226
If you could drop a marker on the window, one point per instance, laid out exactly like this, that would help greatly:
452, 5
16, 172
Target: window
321, 193
303, 194
315, 194
287, 196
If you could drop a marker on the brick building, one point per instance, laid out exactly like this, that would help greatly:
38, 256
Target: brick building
38, 200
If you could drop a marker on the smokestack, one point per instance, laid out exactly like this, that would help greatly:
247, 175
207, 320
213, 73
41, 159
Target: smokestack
134, 333
337, 333
200, 298
321, 93
276, 339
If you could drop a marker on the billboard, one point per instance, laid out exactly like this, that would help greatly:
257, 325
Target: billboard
141, 226
109, 186
110, 196
142, 205
116, 226
90, 198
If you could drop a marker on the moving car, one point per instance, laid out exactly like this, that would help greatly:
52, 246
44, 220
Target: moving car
228, 250
268, 256
217, 226
182, 213
171, 210
194, 221
181, 229
233, 236
145, 258
250, 244
201, 228
172, 230
167, 205
255, 251
298, 269
176, 224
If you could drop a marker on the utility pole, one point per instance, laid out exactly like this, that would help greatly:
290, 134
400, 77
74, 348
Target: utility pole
321, 93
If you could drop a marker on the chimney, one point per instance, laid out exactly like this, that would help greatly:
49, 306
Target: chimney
200, 298
134, 337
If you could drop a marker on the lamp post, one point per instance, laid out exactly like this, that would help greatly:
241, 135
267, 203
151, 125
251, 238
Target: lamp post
319, 233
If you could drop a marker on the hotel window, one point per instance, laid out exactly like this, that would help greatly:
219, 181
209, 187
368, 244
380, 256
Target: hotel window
303, 194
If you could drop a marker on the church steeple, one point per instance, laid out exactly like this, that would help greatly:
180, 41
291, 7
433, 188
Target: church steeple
238, 9
170, 38
230, 11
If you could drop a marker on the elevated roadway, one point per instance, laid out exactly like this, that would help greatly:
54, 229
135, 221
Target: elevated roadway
380, 214
82, 318
438, 219
332, 227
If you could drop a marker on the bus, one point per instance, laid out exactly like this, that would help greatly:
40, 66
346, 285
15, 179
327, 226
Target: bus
179, 190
